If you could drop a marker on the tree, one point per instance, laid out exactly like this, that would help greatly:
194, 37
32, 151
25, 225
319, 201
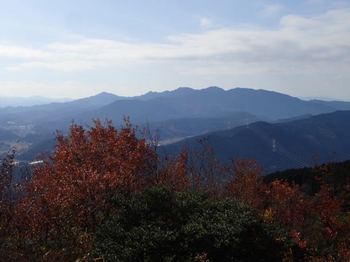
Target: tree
163, 225
70, 193
247, 183
7, 191
316, 223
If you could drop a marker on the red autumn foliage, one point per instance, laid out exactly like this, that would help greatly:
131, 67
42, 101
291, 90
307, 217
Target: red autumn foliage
247, 185
70, 193
288, 204
174, 175
317, 223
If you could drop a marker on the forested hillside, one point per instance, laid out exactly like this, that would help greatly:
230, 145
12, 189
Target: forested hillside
278, 146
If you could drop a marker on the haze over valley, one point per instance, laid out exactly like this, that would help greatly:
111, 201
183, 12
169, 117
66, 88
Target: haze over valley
238, 122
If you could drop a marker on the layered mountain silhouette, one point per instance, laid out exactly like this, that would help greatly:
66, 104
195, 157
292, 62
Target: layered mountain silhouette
28, 101
181, 103
54, 111
208, 103
176, 115
299, 143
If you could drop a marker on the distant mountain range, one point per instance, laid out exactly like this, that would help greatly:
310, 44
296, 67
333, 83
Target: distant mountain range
212, 102
172, 115
28, 101
209, 103
278, 146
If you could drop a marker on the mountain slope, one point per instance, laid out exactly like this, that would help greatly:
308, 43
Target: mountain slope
166, 131
6, 135
209, 103
279, 146
339, 105
185, 127
180, 113
53, 111
28, 101
181, 91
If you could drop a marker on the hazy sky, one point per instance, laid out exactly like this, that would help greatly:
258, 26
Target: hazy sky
75, 48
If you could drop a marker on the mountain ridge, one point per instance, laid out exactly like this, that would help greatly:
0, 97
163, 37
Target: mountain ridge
279, 146
183, 112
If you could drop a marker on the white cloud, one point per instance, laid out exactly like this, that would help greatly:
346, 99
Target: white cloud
306, 45
12, 51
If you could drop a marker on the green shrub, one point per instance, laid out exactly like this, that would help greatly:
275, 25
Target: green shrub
159, 225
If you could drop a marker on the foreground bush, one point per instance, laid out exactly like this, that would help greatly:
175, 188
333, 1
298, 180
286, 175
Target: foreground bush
160, 225
104, 193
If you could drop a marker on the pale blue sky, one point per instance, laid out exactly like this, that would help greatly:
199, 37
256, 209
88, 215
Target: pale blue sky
82, 47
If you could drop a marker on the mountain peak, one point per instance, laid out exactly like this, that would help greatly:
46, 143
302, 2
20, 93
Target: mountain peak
105, 94
212, 89
100, 99
182, 88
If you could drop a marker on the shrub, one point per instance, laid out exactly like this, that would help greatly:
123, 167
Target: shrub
162, 225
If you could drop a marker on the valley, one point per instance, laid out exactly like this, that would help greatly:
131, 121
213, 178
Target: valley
277, 130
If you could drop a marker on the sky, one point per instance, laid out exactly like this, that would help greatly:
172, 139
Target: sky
65, 48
